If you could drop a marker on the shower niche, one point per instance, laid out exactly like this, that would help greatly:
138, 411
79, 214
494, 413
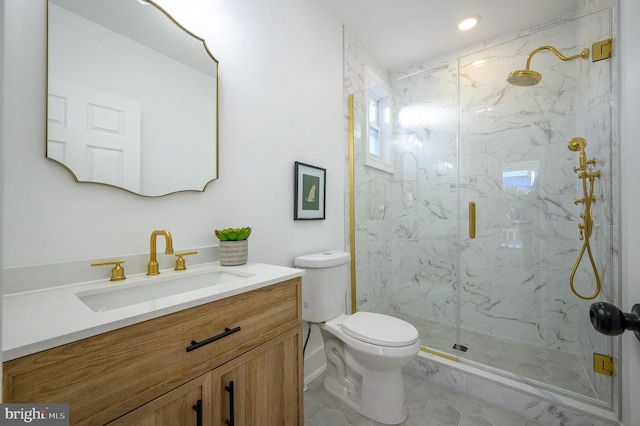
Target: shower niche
505, 295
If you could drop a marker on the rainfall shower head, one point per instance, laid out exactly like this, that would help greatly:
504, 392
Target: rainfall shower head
528, 77
524, 77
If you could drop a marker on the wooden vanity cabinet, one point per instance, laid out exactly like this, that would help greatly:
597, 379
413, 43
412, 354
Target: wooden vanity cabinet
258, 388
143, 374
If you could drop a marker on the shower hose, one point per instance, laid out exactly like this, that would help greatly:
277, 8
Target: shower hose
588, 224
586, 246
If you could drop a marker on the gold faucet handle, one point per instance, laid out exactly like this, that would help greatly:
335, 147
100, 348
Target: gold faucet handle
181, 265
117, 273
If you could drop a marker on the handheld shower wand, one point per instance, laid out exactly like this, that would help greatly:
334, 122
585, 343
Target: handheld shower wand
578, 144
586, 227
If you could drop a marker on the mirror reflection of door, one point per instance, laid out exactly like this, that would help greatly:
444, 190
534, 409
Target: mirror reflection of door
95, 134
132, 97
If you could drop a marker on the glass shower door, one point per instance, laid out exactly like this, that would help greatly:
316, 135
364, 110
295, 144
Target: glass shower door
518, 315
425, 212
406, 220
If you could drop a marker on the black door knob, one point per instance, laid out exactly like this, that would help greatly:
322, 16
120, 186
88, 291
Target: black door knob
610, 320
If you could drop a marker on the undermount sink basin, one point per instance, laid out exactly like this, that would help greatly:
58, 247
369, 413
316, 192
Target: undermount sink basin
153, 288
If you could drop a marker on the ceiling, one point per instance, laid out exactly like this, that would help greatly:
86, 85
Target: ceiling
402, 33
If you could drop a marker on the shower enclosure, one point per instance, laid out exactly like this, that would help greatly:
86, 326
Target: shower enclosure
463, 138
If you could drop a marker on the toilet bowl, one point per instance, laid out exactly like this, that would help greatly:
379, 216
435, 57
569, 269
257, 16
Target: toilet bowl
367, 376
365, 351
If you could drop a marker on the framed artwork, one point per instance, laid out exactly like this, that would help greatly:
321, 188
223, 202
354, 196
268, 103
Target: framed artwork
310, 192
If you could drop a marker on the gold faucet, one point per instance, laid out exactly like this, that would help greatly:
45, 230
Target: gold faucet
152, 268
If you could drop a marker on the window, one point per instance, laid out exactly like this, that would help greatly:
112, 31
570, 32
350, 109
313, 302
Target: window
518, 183
520, 177
379, 149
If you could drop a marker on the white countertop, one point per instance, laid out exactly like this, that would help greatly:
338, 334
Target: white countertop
37, 320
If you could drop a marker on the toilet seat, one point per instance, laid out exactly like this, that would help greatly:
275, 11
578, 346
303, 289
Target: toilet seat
378, 329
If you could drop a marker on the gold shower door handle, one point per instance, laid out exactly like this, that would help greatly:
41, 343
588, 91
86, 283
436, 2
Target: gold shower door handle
472, 220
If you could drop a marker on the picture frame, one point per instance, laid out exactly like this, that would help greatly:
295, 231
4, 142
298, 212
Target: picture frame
309, 192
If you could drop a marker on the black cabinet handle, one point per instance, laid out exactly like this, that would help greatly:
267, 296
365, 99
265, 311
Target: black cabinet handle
198, 408
196, 345
229, 389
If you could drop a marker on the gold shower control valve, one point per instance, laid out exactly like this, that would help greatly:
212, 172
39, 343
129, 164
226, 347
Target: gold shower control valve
594, 175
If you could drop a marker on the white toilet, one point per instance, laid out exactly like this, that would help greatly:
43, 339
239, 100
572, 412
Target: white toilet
365, 351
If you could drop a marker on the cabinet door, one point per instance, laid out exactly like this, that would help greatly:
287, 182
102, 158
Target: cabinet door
262, 387
187, 405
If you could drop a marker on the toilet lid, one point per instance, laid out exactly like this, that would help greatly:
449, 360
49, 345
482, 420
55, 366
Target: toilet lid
379, 329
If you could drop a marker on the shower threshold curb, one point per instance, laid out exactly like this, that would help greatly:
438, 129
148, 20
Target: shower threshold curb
529, 401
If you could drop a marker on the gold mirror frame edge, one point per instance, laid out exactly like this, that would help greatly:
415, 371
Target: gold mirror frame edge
84, 182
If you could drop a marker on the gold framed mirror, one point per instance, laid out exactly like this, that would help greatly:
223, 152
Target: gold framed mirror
132, 97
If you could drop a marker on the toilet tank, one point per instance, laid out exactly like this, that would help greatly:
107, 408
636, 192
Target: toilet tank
324, 284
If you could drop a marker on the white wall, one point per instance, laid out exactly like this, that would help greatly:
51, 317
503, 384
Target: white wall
280, 101
629, 50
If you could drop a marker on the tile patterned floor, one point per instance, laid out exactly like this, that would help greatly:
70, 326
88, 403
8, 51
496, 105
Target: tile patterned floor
550, 366
429, 404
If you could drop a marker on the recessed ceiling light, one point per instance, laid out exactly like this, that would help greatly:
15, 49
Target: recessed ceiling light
468, 22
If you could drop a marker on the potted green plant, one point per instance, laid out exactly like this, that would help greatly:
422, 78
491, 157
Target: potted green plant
233, 246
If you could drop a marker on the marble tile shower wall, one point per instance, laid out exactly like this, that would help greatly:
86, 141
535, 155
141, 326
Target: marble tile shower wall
372, 194
424, 196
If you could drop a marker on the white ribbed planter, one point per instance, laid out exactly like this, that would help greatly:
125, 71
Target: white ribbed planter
233, 252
